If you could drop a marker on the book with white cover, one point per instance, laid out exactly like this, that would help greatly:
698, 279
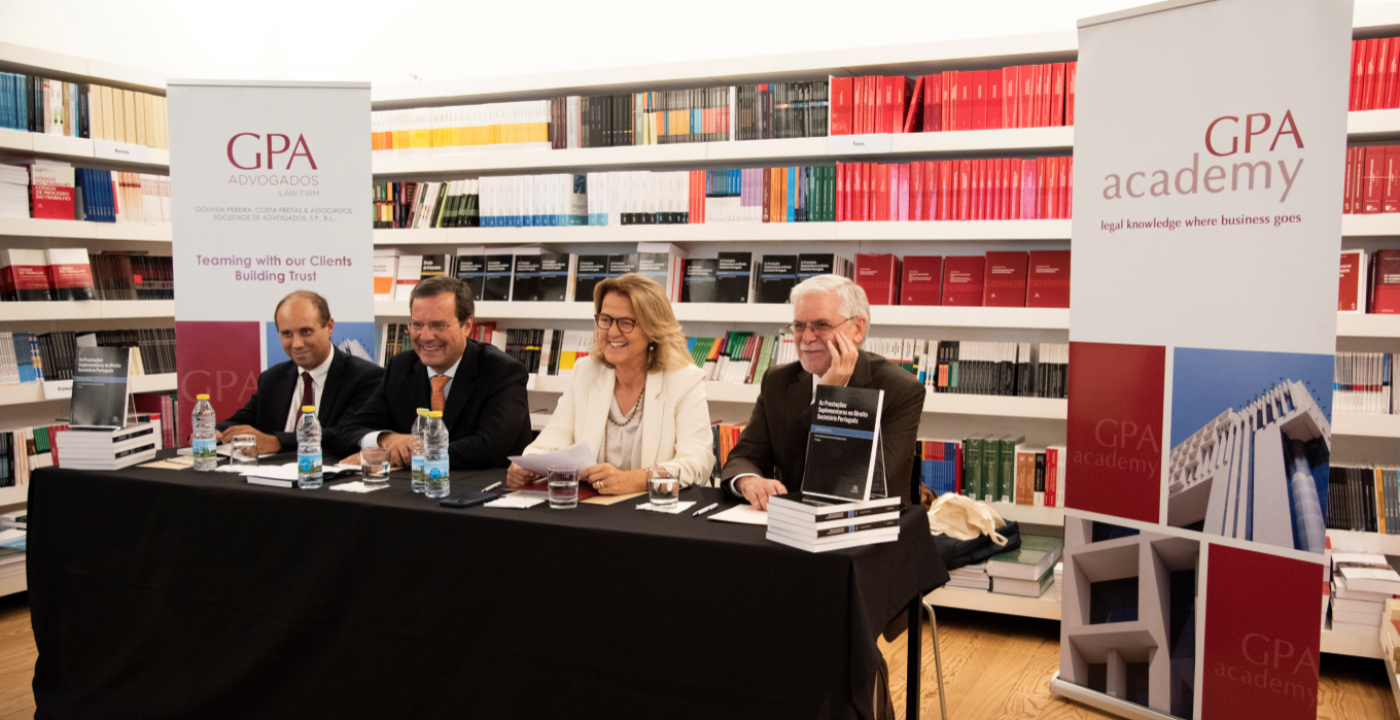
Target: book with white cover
1367, 572
410, 272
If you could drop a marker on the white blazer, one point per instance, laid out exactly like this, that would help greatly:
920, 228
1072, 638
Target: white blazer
675, 419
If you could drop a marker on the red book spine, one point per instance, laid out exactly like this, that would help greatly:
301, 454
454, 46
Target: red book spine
1004, 195
950, 98
964, 190
979, 100
1358, 188
1369, 79
930, 178
1046, 80
933, 103
1047, 281
1013, 171
947, 184
872, 104
994, 100
1374, 194
841, 105
965, 81
1346, 192
1026, 73
1008, 97
1057, 95
1382, 73
1390, 201
882, 104
916, 191
1071, 74
859, 189
1356, 61
921, 280
1069, 186
1392, 76
962, 280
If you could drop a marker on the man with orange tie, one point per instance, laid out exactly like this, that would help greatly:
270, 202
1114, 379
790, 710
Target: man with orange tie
479, 389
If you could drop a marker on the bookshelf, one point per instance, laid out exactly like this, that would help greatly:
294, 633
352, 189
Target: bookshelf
951, 231
86, 310
1045, 607
127, 158
80, 230
34, 392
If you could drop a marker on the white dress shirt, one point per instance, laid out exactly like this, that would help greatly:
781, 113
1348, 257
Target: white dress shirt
372, 439
318, 384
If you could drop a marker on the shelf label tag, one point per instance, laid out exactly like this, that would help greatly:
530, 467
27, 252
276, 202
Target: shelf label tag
858, 144
58, 389
125, 152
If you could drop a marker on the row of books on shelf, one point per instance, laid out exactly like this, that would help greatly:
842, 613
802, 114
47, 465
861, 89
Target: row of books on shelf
30, 357
1375, 74
28, 275
24, 450
1363, 499
1363, 383
995, 469
1009, 188
82, 110
51, 190
527, 274
1370, 282
1022, 96
1032, 569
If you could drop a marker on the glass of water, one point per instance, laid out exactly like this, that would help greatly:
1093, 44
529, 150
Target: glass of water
662, 489
374, 465
563, 488
245, 450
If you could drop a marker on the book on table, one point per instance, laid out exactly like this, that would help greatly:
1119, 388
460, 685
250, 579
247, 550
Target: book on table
102, 449
844, 445
1025, 588
100, 388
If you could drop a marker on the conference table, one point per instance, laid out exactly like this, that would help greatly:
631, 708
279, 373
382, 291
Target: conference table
161, 593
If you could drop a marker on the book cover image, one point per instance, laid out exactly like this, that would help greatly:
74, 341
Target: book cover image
1253, 425
496, 285
554, 277
1005, 283
733, 277
776, 278
842, 447
591, 270
923, 280
700, 280
962, 280
99, 387
471, 269
1047, 282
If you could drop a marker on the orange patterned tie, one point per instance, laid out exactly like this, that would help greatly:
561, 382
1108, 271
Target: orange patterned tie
439, 399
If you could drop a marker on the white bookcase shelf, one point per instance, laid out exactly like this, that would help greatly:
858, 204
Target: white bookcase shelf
12, 495
1358, 425
34, 392
1367, 646
30, 60
1046, 607
1368, 326
82, 151
961, 231
87, 310
28, 227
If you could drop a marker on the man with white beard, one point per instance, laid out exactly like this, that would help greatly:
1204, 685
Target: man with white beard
830, 318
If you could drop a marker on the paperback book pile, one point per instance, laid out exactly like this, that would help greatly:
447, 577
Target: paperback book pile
817, 525
1028, 570
1361, 584
14, 191
973, 577
109, 449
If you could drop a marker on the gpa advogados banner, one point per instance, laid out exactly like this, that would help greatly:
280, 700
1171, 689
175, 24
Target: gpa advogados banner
1209, 149
268, 183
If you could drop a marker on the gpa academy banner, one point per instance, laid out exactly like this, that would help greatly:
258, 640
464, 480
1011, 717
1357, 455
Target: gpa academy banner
1209, 148
268, 185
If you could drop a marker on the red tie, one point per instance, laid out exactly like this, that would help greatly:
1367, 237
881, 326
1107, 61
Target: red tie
308, 393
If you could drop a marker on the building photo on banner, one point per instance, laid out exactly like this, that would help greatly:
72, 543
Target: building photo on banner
451, 303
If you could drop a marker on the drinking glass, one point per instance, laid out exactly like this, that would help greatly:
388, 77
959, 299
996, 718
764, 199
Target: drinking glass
374, 465
245, 451
563, 488
663, 490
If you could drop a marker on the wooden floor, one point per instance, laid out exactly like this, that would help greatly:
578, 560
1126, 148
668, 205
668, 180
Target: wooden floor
996, 667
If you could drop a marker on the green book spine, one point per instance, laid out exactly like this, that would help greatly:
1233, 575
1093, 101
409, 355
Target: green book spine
1008, 468
972, 467
991, 469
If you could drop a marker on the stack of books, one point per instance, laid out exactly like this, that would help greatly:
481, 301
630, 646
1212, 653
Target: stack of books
818, 525
1054, 591
109, 449
1029, 570
973, 577
1361, 583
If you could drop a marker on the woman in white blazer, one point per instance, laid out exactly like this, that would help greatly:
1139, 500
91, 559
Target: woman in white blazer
638, 399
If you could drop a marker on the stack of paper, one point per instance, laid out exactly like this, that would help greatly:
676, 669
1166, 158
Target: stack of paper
14, 191
970, 576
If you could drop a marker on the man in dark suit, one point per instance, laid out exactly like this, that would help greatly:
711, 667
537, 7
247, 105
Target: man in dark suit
318, 374
830, 318
479, 389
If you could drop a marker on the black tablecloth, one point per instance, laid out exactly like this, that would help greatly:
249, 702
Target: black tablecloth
174, 594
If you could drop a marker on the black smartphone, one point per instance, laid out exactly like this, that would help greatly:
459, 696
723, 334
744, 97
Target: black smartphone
468, 500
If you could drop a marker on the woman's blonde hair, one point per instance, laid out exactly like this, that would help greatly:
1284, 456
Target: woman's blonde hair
667, 349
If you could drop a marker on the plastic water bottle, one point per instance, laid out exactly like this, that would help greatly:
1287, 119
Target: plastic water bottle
418, 449
308, 449
435, 461
204, 439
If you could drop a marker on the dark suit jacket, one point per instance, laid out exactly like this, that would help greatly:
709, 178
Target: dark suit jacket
349, 383
774, 444
487, 412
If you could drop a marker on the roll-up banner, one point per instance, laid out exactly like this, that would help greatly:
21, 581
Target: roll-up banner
268, 188
1209, 148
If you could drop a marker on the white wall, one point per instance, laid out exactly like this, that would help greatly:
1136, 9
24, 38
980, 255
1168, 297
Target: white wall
396, 42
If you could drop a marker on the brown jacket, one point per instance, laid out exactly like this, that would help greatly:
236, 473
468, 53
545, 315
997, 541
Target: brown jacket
774, 444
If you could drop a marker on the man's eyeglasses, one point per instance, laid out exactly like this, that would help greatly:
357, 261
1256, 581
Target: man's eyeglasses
437, 326
606, 321
820, 328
